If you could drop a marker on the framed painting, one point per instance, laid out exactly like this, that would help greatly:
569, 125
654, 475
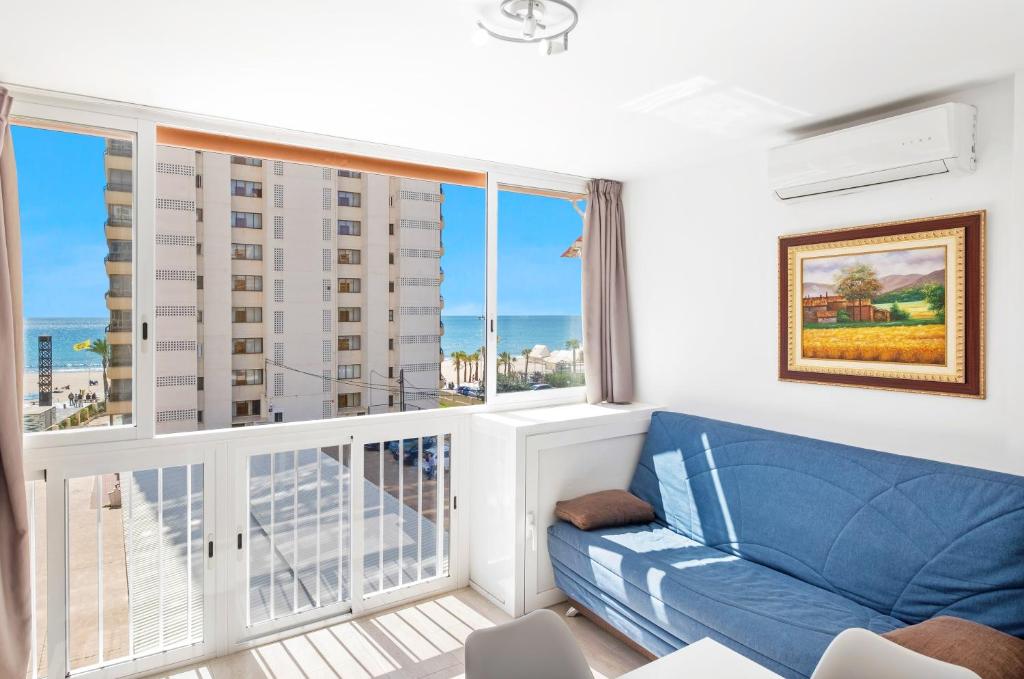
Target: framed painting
896, 306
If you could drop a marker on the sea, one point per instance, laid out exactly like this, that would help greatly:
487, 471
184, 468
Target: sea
461, 333
515, 333
65, 332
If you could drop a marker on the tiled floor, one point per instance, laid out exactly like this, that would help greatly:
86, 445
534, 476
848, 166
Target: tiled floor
422, 640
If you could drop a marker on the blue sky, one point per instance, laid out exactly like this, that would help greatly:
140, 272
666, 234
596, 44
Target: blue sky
60, 186
60, 194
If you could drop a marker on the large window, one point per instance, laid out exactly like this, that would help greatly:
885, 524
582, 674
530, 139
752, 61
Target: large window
246, 377
349, 285
349, 371
349, 342
348, 256
349, 199
349, 227
540, 328
349, 314
248, 189
415, 310
246, 220
78, 286
247, 314
248, 345
242, 283
246, 251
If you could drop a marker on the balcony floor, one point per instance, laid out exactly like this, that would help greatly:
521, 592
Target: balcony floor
421, 640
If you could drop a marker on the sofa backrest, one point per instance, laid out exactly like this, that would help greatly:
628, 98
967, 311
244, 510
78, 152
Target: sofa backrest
907, 537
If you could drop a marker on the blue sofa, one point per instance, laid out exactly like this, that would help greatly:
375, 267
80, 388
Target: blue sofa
772, 544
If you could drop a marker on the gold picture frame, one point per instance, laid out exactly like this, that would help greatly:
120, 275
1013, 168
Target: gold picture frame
897, 305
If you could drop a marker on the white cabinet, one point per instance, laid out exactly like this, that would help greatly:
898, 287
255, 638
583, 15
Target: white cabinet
521, 463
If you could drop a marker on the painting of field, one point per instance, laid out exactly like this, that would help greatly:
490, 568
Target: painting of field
921, 344
887, 306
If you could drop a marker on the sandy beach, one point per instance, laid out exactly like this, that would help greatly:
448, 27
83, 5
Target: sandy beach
77, 379
545, 366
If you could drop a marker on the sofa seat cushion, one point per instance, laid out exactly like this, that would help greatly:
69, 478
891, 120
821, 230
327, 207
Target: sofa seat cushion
687, 588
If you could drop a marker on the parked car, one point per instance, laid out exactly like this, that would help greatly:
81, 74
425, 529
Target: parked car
540, 387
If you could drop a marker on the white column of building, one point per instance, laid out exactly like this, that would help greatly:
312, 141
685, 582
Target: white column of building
418, 283
175, 291
215, 236
299, 321
376, 203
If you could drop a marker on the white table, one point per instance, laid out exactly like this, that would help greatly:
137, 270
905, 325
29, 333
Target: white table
703, 659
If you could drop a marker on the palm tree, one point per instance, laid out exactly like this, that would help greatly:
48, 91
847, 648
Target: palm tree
457, 361
526, 363
573, 344
474, 358
100, 347
505, 359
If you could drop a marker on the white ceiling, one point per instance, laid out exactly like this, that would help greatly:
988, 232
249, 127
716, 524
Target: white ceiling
647, 85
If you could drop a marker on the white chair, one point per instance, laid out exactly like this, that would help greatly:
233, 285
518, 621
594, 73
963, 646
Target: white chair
859, 654
537, 645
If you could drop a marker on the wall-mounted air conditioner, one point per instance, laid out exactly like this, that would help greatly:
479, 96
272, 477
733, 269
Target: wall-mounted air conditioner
936, 140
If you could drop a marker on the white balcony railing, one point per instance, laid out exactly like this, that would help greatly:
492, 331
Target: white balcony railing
269, 529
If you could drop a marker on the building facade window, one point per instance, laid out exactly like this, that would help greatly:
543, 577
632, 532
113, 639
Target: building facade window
245, 160
119, 180
349, 371
246, 251
349, 227
349, 314
243, 283
247, 345
246, 188
349, 199
351, 174
247, 377
247, 314
349, 285
352, 400
246, 220
348, 256
245, 408
119, 215
349, 342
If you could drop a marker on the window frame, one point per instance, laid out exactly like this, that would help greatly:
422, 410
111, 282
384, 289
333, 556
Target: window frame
62, 111
527, 184
143, 137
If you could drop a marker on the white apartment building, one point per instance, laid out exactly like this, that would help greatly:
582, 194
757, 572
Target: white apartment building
289, 292
117, 193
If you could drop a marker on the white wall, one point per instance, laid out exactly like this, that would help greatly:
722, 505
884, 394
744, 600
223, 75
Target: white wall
702, 250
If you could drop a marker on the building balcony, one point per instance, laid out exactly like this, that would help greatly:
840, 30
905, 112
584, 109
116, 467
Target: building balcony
120, 372
440, 330
248, 419
440, 301
117, 265
118, 221
118, 336
118, 302
120, 395
123, 407
119, 147
118, 231
120, 187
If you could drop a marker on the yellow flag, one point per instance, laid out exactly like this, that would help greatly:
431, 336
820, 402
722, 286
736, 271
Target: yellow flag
82, 346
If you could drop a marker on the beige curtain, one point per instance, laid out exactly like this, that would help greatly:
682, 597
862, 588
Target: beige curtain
608, 358
15, 576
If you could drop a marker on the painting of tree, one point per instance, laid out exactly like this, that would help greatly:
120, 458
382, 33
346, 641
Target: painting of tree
858, 281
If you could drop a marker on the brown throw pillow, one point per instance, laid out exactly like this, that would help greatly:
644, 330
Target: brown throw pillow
604, 509
991, 654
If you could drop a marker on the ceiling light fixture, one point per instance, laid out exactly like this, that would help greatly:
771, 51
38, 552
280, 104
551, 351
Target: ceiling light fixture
546, 23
